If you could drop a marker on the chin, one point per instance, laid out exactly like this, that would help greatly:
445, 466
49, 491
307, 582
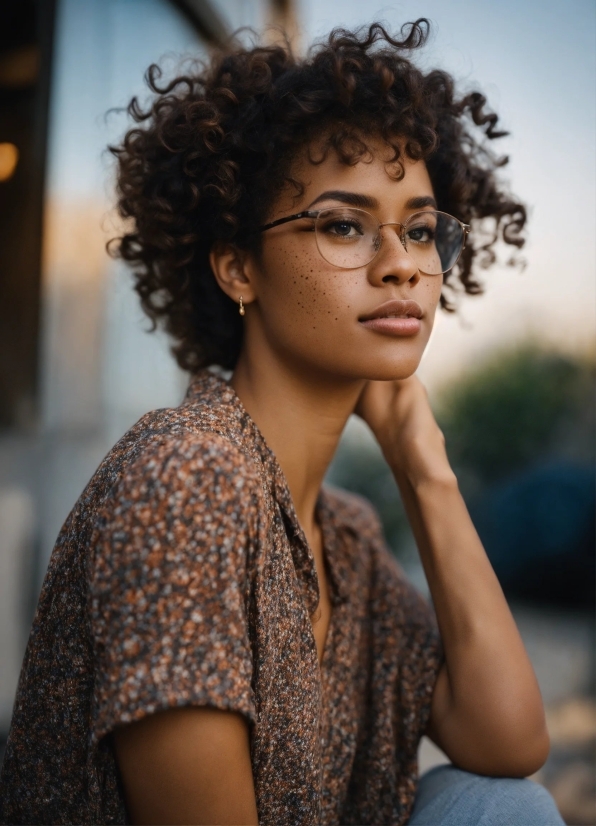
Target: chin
371, 369
392, 361
395, 372
390, 364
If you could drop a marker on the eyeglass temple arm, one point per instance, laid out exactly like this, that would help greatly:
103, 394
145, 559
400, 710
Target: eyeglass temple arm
306, 214
466, 228
313, 214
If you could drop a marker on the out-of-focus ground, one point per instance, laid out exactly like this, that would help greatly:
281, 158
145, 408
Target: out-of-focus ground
561, 647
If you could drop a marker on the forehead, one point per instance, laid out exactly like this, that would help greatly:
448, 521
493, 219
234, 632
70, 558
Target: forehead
375, 175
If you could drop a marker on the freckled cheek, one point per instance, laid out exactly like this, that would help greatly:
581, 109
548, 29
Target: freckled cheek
432, 294
311, 293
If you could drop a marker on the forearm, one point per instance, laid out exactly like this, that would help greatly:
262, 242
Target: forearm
488, 714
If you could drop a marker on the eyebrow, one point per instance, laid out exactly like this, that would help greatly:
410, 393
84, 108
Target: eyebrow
421, 201
357, 199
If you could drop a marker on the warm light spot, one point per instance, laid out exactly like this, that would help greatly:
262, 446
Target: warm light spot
19, 68
9, 157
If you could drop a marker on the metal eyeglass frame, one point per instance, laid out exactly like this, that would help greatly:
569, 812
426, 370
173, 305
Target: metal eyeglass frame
314, 214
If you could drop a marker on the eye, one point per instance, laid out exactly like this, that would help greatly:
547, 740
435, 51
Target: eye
341, 228
422, 233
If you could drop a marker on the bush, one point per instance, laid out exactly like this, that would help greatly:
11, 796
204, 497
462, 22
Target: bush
517, 408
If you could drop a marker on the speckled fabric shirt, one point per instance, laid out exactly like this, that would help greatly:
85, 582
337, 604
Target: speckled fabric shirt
183, 577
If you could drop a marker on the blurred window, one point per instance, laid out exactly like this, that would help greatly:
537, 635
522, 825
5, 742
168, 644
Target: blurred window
25, 52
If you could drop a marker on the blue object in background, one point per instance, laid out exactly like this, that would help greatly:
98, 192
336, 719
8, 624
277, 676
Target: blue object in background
539, 532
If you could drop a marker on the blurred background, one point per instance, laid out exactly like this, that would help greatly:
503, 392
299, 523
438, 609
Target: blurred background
511, 374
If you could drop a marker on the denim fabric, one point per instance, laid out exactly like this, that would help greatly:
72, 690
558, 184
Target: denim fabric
451, 797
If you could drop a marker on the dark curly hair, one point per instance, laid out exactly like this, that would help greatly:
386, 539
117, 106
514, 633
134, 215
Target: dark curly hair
217, 144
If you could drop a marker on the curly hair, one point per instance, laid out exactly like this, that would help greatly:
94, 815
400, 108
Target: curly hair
216, 146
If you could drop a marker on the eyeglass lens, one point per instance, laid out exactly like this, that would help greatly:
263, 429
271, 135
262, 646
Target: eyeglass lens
350, 238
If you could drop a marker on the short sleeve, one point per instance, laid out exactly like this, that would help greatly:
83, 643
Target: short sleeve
167, 583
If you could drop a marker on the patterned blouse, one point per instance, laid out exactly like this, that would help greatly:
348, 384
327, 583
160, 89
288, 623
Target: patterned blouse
182, 577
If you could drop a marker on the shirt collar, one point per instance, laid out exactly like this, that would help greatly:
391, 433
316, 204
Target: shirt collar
224, 413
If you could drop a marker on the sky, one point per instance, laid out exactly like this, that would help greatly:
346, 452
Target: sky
536, 63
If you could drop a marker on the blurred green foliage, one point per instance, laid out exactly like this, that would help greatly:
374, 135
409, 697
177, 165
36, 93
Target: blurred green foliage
519, 406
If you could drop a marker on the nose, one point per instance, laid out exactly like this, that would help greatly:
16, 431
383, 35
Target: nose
392, 263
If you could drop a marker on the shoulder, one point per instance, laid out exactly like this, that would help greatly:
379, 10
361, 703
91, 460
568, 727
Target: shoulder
168, 480
391, 588
355, 513
168, 451
181, 499
363, 540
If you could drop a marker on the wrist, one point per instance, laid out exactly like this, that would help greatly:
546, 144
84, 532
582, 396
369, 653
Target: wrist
433, 482
421, 463
421, 468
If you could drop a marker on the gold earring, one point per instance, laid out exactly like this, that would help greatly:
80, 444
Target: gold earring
241, 306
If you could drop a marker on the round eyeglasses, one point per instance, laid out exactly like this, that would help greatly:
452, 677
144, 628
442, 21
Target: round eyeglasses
350, 238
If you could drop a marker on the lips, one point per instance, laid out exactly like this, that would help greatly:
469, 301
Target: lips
395, 309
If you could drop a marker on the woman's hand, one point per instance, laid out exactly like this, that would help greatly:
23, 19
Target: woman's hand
401, 419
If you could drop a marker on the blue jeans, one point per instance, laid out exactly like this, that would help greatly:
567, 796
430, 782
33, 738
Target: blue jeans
451, 797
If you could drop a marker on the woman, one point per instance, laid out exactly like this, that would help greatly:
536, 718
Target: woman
220, 639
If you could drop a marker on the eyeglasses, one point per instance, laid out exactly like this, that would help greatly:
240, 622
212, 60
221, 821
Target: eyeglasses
349, 238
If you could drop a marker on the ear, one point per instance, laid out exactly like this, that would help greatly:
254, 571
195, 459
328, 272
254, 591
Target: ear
232, 271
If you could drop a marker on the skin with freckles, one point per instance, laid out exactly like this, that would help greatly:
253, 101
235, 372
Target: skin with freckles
307, 362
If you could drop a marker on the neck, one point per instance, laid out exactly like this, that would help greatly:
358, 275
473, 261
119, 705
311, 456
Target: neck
301, 417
